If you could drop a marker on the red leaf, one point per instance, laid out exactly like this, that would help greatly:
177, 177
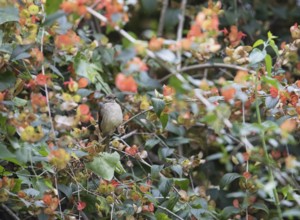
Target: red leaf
81, 205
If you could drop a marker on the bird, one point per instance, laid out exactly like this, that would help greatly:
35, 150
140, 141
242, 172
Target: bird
110, 117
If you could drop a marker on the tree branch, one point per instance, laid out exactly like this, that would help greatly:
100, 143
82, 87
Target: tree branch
162, 18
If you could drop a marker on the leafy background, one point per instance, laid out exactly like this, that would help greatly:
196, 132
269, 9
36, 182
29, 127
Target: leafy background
214, 141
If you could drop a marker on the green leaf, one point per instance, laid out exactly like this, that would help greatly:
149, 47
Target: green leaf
104, 165
67, 190
155, 170
165, 185
162, 216
86, 69
174, 197
256, 56
268, 61
228, 178
258, 42
274, 47
229, 211
21, 56
260, 206
164, 118
19, 102
271, 36
271, 81
183, 183
9, 14
177, 169
175, 141
119, 168
158, 105
7, 80
150, 143
52, 6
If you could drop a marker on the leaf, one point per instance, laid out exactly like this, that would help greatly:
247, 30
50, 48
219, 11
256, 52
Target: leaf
9, 14
228, 178
271, 102
177, 169
165, 185
158, 105
19, 102
164, 118
229, 211
150, 143
162, 216
175, 141
172, 201
67, 190
274, 47
52, 6
271, 81
104, 165
256, 56
86, 69
271, 36
260, 206
268, 61
166, 55
165, 152
155, 170
21, 56
7, 80
183, 183
258, 42
50, 19
291, 212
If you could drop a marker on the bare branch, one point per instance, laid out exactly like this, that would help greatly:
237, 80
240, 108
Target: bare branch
162, 18
215, 65
10, 212
179, 31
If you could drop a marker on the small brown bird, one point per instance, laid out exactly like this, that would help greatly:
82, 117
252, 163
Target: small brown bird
110, 117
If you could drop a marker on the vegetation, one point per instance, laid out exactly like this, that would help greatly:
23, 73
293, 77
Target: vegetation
210, 98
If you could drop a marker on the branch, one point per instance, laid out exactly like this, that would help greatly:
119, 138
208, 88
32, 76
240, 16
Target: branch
172, 213
179, 31
162, 18
10, 212
138, 114
215, 65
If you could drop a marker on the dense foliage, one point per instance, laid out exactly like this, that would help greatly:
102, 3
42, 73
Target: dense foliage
210, 98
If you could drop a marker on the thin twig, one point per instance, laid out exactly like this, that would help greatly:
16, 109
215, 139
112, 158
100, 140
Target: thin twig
125, 136
208, 65
178, 52
133, 117
43, 72
162, 18
10, 212
214, 65
179, 31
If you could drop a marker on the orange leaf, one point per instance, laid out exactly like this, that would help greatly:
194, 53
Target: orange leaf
228, 93
125, 83
83, 109
83, 82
